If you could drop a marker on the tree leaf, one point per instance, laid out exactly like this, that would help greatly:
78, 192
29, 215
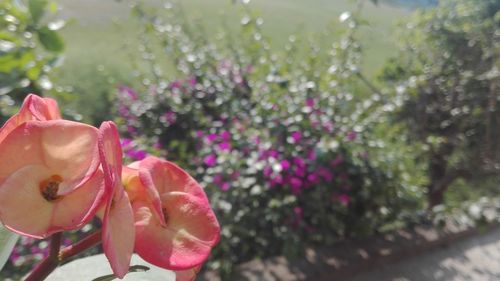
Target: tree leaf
37, 9
50, 40
8, 240
97, 268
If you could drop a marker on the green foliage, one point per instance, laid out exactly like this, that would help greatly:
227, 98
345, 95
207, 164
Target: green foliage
447, 75
7, 241
29, 49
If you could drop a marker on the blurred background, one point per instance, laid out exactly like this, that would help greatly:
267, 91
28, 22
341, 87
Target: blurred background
307, 122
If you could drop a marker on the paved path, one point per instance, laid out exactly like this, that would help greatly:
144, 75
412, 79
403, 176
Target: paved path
474, 259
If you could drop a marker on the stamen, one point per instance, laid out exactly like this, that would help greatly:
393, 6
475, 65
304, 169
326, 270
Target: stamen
50, 187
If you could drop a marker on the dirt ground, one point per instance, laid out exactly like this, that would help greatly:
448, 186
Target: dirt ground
474, 259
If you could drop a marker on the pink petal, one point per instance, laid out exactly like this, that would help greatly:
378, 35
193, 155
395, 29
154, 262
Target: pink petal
166, 176
118, 222
33, 108
190, 233
67, 148
152, 176
22, 189
119, 234
110, 150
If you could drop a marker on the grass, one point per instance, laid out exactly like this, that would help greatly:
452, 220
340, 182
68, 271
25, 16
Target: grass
93, 34
96, 39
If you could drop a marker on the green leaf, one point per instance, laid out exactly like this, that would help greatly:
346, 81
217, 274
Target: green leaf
37, 9
50, 40
97, 268
8, 240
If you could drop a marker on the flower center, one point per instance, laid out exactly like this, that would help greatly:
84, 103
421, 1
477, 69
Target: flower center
49, 188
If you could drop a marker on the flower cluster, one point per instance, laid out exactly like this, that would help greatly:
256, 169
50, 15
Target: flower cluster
290, 144
56, 175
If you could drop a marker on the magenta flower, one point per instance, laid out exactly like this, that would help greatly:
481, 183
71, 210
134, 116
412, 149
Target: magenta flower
300, 171
285, 165
127, 92
344, 199
170, 117
210, 160
273, 153
225, 186
312, 178
299, 162
191, 82
267, 171
224, 146
295, 184
351, 135
310, 102
225, 136
211, 137
176, 84
296, 136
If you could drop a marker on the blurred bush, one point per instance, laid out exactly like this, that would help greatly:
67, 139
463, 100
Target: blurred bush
293, 147
447, 73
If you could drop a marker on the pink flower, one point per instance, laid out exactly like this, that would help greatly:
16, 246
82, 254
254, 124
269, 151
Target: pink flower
175, 226
51, 169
